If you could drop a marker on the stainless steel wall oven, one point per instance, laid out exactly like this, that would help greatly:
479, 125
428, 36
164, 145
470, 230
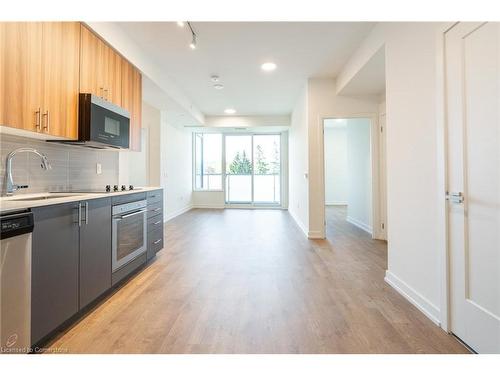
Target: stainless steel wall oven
129, 236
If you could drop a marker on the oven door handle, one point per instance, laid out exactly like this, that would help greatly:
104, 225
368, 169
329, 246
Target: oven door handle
131, 214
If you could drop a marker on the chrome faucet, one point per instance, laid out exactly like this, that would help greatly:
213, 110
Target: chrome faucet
10, 186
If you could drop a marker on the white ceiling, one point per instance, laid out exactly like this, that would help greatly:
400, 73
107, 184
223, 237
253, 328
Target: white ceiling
235, 50
370, 79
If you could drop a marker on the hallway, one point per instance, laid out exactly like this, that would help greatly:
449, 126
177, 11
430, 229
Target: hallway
248, 281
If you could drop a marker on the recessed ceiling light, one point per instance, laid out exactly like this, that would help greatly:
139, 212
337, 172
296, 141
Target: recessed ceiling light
180, 23
229, 111
218, 86
268, 66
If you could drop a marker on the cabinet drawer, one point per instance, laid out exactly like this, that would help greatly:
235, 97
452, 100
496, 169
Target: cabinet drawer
155, 209
126, 198
154, 196
155, 242
155, 222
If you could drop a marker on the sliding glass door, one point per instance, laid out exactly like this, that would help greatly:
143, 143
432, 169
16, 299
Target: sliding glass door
238, 150
253, 169
267, 168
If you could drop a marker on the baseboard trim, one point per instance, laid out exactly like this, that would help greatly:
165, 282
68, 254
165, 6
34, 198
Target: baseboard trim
420, 302
335, 203
177, 213
213, 206
360, 224
315, 235
298, 222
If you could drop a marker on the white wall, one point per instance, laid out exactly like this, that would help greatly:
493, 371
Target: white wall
176, 167
208, 199
359, 176
323, 102
298, 198
336, 172
413, 193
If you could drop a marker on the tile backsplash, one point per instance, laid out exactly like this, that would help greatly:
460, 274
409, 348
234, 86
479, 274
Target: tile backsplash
73, 167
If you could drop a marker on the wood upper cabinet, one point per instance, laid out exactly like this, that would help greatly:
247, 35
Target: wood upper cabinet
21, 74
100, 68
132, 101
39, 76
91, 52
45, 65
61, 56
112, 80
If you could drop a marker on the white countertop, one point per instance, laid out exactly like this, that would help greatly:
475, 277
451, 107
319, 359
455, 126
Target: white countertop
25, 201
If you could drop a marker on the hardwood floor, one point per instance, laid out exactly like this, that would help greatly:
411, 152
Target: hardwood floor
248, 281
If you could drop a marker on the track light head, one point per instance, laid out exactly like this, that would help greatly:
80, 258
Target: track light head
192, 45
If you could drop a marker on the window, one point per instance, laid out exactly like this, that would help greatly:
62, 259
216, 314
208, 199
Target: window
207, 161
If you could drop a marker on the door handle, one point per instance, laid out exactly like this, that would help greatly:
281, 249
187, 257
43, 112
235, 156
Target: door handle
132, 214
157, 242
455, 197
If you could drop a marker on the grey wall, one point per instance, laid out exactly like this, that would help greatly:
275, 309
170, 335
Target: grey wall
73, 167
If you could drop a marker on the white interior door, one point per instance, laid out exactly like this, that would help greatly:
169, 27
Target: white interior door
473, 108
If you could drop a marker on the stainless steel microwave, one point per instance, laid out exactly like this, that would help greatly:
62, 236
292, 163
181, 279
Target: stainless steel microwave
101, 124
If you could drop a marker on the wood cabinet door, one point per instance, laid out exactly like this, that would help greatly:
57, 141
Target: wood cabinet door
20, 74
60, 78
112, 76
91, 55
132, 101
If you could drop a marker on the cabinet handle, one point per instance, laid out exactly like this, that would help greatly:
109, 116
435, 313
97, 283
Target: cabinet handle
157, 242
156, 209
38, 121
101, 92
106, 96
86, 213
79, 214
47, 121
158, 222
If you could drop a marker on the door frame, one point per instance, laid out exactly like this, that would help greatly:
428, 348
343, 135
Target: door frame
375, 163
442, 177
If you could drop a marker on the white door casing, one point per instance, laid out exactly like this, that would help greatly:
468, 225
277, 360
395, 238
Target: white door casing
472, 64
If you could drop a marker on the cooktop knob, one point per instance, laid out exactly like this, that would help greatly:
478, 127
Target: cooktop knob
131, 187
108, 188
115, 188
124, 188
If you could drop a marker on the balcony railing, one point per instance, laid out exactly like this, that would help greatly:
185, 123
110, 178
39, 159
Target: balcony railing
266, 187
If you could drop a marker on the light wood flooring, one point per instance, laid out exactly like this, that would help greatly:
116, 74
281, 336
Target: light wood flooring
248, 281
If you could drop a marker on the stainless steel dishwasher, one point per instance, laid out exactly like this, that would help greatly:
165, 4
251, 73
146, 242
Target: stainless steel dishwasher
15, 282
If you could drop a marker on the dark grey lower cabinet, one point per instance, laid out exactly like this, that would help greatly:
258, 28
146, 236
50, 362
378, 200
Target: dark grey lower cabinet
155, 222
95, 249
54, 278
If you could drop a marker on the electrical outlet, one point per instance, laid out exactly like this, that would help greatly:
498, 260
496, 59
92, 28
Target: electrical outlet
98, 168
